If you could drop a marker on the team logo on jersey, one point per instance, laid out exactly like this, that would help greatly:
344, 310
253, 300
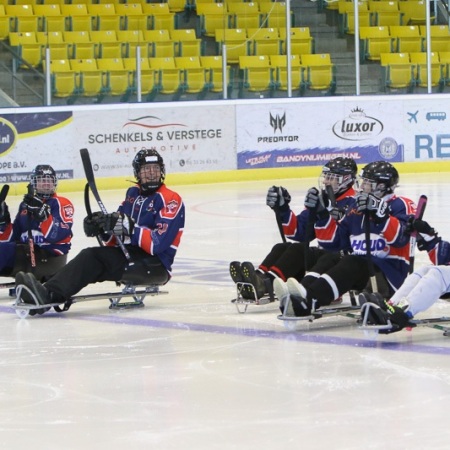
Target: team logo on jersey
172, 207
68, 211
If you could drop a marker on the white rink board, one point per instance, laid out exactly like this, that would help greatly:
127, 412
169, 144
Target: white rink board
220, 136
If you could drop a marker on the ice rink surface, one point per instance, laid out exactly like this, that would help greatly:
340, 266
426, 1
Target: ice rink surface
189, 372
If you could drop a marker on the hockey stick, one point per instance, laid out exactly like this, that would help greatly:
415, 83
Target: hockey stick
87, 165
421, 205
332, 197
280, 224
373, 279
4, 193
87, 204
30, 232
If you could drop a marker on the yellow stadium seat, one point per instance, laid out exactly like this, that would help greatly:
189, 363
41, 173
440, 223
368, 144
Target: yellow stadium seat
108, 23
319, 73
119, 80
92, 80
387, 18
236, 42
176, 6
193, 75
257, 74
50, 37
414, 12
273, 14
149, 78
440, 37
47, 10
170, 76
186, 42
244, 14
301, 40
437, 70
279, 63
375, 40
266, 41
397, 72
346, 16
109, 50
52, 23
407, 38
214, 66
212, 17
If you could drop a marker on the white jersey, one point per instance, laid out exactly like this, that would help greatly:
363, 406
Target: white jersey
423, 288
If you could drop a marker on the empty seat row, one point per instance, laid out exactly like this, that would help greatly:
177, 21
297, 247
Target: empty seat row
86, 22
90, 77
409, 12
31, 47
213, 16
401, 39
263, 41
410, 70
308, 72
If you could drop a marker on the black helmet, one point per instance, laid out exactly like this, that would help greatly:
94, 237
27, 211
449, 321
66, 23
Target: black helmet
341, 169
44, 181
148, 156
383, 176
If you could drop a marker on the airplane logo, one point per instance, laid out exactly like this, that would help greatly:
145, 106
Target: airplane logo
413, 117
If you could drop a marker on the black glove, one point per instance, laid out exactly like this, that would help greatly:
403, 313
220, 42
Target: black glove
278, 198
108, 222
313, 203
124, 226
377, 207
92, 225
5, 218
337, 213
38, 210
420, 226
398, 317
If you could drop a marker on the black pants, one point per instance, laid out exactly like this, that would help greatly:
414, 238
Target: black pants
287, 259
97, 264
334, 275
47, 263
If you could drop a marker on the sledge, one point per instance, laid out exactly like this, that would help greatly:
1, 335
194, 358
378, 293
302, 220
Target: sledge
242, 303
118, 300
290, 322
438, 323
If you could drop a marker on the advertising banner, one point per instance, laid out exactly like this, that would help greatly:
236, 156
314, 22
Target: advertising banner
190, 139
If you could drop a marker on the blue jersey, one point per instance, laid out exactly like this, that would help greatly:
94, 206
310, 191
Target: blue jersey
159, 222
53, 234
294, 226
389, 240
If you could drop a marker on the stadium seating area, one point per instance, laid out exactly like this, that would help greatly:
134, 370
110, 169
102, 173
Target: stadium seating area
127, 50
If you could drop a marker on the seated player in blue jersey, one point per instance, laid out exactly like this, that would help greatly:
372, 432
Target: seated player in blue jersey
287, 259
44, 215
389, 242
421, 289
150, 221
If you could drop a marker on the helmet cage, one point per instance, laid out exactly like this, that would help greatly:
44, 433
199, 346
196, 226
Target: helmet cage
142, 158
44, 181
339, 183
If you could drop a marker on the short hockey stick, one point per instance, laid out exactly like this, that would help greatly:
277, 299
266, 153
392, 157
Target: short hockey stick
87, 204
280, 224
413, 237
30, 232
373, 278
87, 165
332, 197
4, 193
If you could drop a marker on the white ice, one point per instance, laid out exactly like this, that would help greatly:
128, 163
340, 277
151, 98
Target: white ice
189, 372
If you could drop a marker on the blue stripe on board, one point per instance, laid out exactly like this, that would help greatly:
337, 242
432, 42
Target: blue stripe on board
252, 332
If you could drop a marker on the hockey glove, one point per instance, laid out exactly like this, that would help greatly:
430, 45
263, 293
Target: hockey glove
377, 207
5, 218
124, 226
108, 222
337, 213
420, 226
399, 318
38, 210
92, 225
278, 198
313, 203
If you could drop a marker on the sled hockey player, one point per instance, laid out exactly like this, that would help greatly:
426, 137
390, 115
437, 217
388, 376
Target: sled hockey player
150, 221
421, 289
389, 243
287, 259
44, 216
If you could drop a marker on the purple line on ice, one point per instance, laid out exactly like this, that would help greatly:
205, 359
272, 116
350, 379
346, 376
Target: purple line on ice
253, 332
